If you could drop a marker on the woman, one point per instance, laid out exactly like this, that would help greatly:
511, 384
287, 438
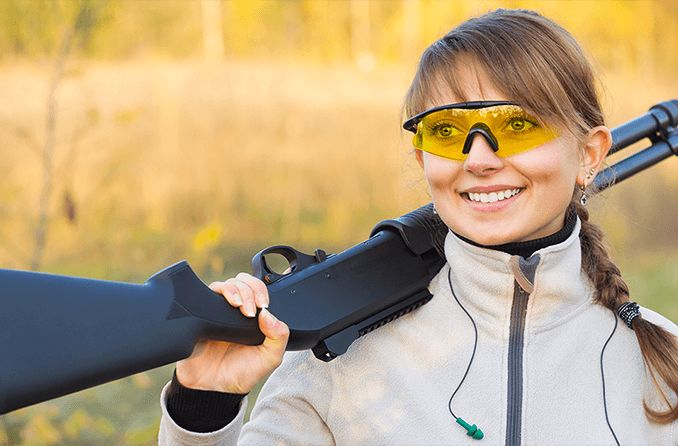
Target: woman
521, 339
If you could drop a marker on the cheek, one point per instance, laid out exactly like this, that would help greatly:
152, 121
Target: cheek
554, 165
440, 172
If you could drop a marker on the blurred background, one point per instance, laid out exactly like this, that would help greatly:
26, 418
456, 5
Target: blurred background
136, 133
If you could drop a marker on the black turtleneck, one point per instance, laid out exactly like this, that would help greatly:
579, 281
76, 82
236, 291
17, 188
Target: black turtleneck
203, 411
527, 248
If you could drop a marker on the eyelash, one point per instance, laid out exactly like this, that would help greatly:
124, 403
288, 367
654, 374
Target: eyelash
436, 125
431, 128
534, 123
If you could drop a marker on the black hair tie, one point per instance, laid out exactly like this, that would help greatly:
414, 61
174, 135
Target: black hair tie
628, 311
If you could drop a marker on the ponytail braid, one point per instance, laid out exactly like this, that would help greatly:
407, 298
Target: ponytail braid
658, 346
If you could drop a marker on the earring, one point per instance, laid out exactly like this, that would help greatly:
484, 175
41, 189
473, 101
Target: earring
583, 199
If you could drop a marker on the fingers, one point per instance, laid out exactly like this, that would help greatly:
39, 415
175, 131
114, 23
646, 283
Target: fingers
258, 288
243, 291
277, 333
230, 292
248, 307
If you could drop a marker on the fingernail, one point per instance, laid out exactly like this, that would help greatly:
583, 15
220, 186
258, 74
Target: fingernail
250, 309
237, 299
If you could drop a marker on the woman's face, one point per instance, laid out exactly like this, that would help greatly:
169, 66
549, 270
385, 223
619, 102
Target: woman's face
545, 178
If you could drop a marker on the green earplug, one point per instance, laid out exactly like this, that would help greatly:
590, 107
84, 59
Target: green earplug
471, 430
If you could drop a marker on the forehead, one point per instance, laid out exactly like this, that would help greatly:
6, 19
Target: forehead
466, 81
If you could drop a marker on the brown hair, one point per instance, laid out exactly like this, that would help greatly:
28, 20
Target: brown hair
538, 64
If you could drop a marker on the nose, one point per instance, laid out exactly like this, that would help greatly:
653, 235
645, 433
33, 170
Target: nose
481, 159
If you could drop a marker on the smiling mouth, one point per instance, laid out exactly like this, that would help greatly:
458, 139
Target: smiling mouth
492, 197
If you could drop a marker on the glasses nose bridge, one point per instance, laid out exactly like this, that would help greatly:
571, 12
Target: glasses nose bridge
481, 156
482, 129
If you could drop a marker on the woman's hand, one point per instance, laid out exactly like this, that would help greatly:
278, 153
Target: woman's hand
235, 368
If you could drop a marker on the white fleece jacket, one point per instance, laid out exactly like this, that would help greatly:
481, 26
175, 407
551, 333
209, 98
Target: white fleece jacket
535, 379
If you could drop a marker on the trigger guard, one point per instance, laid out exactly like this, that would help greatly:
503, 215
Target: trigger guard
298, 261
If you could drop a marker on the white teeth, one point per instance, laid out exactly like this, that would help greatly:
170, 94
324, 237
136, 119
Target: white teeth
493, 197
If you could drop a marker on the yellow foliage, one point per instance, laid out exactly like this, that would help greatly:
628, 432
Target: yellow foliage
207, 237
127, 116
142, 436
40, 431
76, 422
103, 426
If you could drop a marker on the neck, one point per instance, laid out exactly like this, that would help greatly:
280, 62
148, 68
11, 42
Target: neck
527, 248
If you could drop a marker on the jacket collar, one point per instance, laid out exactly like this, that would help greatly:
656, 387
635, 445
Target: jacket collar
484, 280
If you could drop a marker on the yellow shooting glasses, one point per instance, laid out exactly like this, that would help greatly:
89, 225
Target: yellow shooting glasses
448, 130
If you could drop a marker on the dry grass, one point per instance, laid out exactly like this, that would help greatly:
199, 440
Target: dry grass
169, 160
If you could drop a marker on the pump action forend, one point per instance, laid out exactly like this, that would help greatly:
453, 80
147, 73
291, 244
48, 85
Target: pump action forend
61, 334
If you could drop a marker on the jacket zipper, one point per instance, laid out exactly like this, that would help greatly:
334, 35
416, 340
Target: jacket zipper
515, 366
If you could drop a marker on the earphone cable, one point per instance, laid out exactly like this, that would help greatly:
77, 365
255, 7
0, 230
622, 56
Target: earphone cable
602, 374
475, 344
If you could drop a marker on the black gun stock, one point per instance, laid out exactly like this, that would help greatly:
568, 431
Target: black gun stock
61, 334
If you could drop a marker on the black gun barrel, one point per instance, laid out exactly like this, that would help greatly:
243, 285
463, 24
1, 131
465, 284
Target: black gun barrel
659, 126
637, 162
660, 118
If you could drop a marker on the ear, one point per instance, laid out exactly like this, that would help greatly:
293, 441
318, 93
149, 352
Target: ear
596, 146
420, 157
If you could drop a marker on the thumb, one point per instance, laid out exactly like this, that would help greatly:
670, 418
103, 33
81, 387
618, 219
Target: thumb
277, 333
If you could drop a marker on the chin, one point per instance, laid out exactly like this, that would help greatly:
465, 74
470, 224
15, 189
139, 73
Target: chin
492, 239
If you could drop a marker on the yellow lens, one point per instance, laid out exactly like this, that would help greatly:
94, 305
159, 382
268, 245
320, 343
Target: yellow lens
444, 132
